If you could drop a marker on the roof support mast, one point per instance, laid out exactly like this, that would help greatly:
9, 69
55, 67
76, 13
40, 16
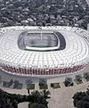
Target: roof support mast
40, 32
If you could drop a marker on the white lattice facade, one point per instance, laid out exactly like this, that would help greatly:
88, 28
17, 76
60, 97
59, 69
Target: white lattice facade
44, 61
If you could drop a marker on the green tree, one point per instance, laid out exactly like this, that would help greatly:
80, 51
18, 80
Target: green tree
81, 99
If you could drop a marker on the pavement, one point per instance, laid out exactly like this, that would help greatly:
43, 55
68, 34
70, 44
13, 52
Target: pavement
60, 98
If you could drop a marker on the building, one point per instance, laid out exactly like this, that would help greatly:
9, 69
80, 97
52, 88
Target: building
42, 54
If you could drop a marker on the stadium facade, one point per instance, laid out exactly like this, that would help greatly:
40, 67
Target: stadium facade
43, 52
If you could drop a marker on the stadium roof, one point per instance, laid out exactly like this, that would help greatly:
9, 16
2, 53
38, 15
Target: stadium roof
76, 51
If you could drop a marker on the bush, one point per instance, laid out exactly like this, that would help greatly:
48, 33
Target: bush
86, 76
78, 79
68, 82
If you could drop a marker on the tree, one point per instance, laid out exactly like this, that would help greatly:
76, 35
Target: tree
78, 79
81, 99
68, 82
86, 76
45, 94
40, 97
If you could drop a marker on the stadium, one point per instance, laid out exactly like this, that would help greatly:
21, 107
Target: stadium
43, 52
38, 58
